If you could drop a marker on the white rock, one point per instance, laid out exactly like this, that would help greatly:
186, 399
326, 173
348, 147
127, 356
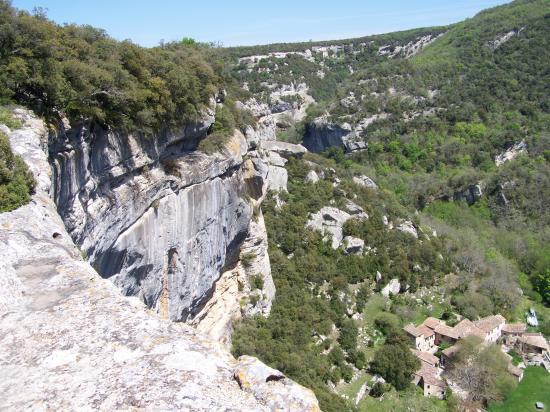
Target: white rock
329, 221
365, 181
408, 227
353, 245
511, 153
392, 288
312, 177
271, 386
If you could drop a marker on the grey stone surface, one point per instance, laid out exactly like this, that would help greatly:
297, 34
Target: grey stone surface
365, 181
283, 148
330, 221
322, 134
259, 379
408, 227
312, 177
353, 245
70, 341
392, 288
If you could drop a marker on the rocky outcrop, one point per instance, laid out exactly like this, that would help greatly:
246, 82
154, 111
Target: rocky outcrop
284, 148
365, 181
511, 153
311, 177
256, 378
330, 222
408, 228
503, 38
71, 341
233, 292
410, 49
353, 245
471, 194
392, 288
322, 134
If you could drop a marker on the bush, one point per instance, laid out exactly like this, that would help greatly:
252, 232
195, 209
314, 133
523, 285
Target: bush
16, 181
396, 364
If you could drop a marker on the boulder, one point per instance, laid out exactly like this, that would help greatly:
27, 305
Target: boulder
312, 177
273, 388
353, 245
283, 148
392, 288
354, 208
365, 181
408, 227
281, 106
329, 221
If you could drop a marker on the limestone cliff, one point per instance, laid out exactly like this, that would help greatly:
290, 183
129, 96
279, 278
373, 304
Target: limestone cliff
69, 340
161, 220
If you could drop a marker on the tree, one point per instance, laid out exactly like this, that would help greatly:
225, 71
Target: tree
482, 371
395, 363
542, 284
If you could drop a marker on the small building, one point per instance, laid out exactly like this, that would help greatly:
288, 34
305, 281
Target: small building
514, 329
426, 357
516, 372
466, 328
428, 376
533, 343
433, 386
444, 333
422, 337
491, 326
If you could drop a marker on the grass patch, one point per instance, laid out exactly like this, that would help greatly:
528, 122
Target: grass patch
7, 119
410, 400
533, 388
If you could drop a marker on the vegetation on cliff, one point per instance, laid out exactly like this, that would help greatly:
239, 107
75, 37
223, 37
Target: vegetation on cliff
81, 72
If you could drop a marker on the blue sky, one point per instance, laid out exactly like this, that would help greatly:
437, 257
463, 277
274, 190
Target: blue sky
246, 22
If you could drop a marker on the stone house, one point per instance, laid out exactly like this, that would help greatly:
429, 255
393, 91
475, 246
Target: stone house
466, 328
514, 329
422, 337
533, 343
426, 357
491, 326
428, 378
444, 333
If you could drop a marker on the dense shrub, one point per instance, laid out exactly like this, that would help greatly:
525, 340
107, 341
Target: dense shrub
16, 181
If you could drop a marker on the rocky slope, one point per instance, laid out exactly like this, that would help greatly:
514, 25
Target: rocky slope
70, 340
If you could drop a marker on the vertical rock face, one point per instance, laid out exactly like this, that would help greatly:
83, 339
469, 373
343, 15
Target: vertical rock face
162, 221
70, 341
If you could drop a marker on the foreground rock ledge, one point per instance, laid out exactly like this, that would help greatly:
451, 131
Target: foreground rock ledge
70, 341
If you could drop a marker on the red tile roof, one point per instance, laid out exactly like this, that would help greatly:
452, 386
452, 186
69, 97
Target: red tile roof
467, 328
534, 339
490, 323
426, 331
426, 357
445, 330
514, 328
432, 322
